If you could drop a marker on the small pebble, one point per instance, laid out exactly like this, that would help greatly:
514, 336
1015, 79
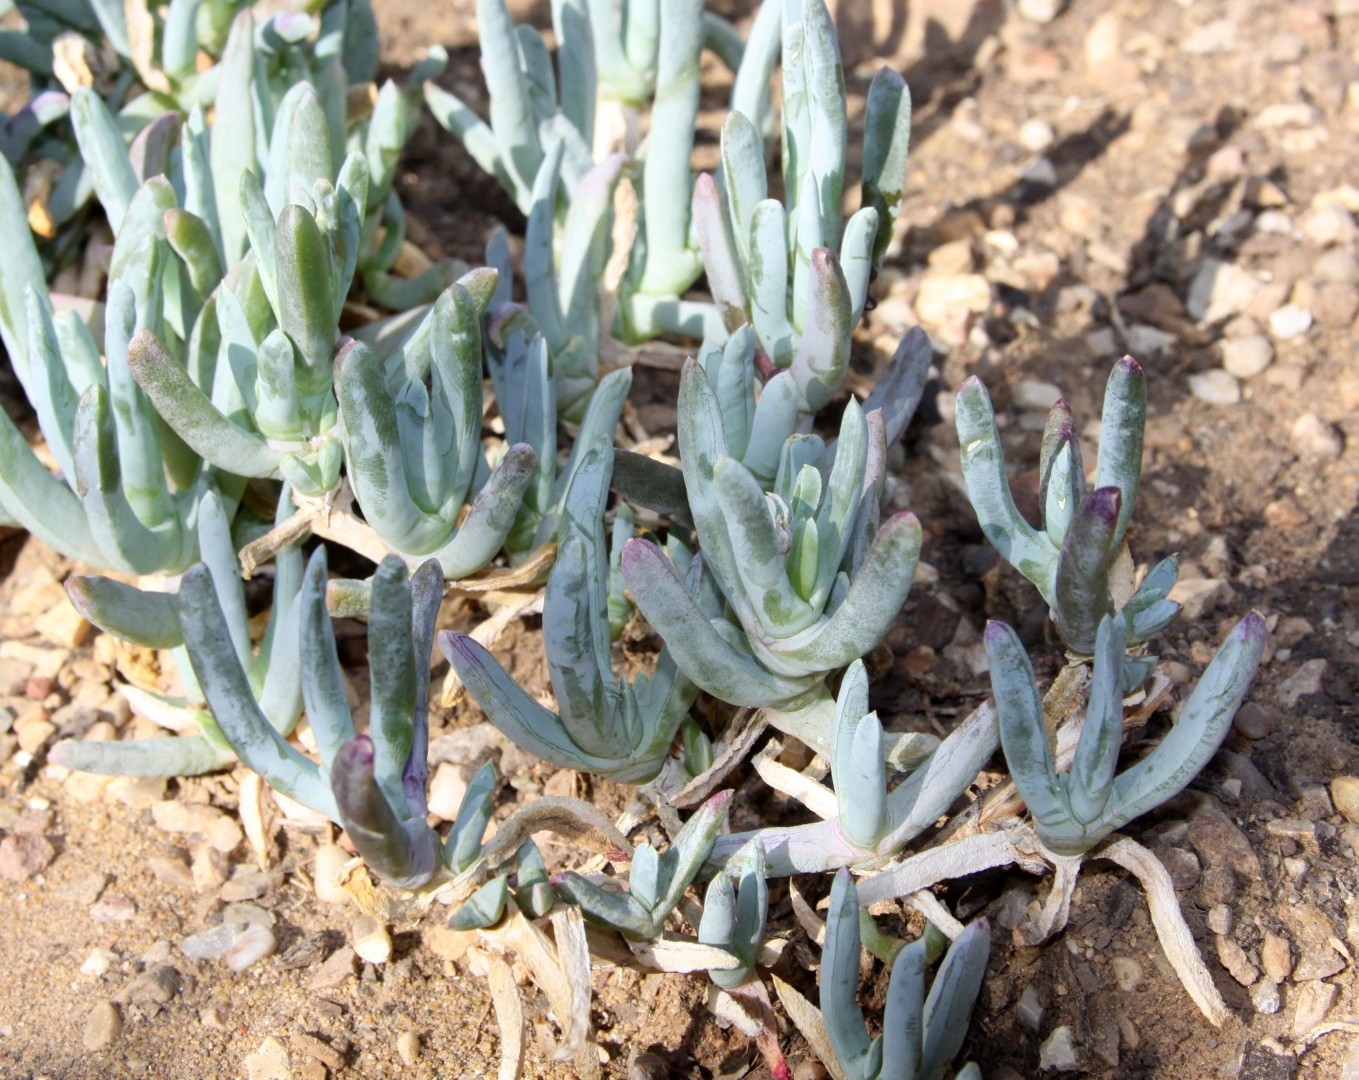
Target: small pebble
1036, 135
1035, 396
1041, 11
1314, 1001
1336, 304
1276, 957
1217, 387
1265, 997
1337, 266
1330, 226
24, 854
1058, 1052
1305, 681
330, 862
336, 971
99, 962
1220, 919
1345, 796
371, 940
1256, 721
1127, 973
1040, 173
1312, 437
1246, 357
253, 944
155, 986
269, 1062
408, 1047
1029, 1010
1289, 322
1234, 959
102, 1027
114, 909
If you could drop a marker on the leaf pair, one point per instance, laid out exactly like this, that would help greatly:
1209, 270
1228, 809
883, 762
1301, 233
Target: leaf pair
1073, 811
1072, 556
921, 1034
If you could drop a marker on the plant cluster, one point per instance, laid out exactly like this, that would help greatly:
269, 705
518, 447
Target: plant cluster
236, 389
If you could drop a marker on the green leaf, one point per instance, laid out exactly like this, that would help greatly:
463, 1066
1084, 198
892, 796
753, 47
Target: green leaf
1122, 425
255, 741
402, 854
233, 131
887, 140
839, 978
483, 908
1022, 733
952, 997
105, 154
305, 295
1199, 730
159, 756
1022, 546
143, 618
1092, 770
462, 846
192, 416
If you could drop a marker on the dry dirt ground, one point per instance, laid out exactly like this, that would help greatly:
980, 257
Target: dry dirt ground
1166, 179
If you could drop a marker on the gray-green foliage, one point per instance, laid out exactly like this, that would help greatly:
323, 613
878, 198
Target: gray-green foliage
151, 619
734, 918
602, 725
372, 784
656, 881
810, 577
872, 820
1071, 556
921, 1034
775, 266
1074, 810
126, 494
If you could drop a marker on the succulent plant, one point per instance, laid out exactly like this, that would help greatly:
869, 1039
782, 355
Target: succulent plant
775, 267
334, 51
810, 580
656, 881
1073, 556
562, 305
127, 495
1073, 811
863, 822
372, 784
151, 619
618, 729
921, 1034
734, 917
413, 452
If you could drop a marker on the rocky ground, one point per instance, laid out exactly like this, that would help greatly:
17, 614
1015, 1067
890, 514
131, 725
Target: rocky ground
1167, 179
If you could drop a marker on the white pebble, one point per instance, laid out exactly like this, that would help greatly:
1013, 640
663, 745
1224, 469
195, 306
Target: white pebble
330, 862
371, 940
1290, 321
1127, 973
253, 944
1033, 395
99, 962
1040, 11
1265, 996
1246, 357
1274, 221
1215, 387
1036, 135
211, 943
1330, 226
